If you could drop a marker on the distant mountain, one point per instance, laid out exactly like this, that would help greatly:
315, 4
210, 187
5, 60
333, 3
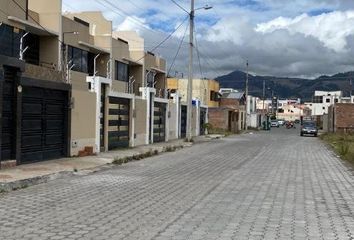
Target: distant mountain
287, 87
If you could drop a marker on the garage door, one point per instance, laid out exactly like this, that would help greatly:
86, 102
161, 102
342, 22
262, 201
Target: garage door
8, 113
183, 121
159, 122
203, 116
118, 130
44, 124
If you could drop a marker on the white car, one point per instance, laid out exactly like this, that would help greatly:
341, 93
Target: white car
274, 123
281, 122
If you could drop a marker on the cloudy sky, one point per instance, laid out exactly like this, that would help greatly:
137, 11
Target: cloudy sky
298, 38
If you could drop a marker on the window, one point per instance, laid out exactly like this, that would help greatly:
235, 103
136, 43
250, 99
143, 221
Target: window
336, 100
328, 100
214, 96
10, 44
32, 54
83, 60
6, 40
317, 99
122, 71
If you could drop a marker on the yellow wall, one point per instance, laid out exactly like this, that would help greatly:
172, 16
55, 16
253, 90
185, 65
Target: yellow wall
201, 89
83, 120
119, 86
12, 9
140, 121
49, 13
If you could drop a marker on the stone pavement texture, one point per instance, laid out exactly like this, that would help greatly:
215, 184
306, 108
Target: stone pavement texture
30, 174
274, 185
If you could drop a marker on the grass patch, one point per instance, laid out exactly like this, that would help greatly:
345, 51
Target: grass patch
343, 144
137, 157
220, 131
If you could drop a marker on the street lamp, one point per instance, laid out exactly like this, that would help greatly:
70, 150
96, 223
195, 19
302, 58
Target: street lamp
190, 69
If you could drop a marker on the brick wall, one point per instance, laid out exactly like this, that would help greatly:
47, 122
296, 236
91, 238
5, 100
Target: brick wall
344, 117
218, 118
230, 103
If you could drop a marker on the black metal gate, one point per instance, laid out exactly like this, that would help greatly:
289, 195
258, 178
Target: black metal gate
183, 121
8, 134
203, 115
102, 116
159, 122
44, 124
118, 130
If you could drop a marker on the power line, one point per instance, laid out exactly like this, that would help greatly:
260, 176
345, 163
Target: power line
165, 39
136, 5
179, 48
206, 58
123, 13
198, 55
24, 10
178, 5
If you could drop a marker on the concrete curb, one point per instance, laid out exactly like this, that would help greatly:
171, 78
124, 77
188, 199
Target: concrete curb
24, 183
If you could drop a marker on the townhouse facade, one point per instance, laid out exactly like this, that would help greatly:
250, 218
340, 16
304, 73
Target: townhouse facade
70, 86
35, 101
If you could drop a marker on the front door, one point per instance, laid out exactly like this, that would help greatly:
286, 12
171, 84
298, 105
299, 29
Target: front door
8, 133
44, 124
118, 130
159, 122
102, 117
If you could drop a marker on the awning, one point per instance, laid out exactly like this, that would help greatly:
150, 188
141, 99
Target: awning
158, 70
132, 62
93, 48
33, 27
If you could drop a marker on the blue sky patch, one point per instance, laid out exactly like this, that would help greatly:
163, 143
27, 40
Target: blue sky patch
317, 12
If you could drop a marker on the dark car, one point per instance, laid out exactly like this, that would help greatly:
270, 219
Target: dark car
309, 128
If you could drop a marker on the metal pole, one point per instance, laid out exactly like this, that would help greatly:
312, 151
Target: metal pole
263, 110
22, 51
246, 122
190, 75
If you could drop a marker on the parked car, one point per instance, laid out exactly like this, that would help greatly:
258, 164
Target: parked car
297, 121
281, 122
274, 123
309, 128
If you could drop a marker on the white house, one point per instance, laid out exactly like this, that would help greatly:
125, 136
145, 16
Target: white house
322, 100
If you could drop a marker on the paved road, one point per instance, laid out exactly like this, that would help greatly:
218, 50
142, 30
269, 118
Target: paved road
263, 186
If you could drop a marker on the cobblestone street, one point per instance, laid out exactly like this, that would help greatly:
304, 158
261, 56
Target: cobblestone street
274, 185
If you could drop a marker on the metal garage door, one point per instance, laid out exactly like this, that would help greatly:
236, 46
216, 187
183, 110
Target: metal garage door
118, 130
8, 141
203, 116
183, 121
44, 124
159, 121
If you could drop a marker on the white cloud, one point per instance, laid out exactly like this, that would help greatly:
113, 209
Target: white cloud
277, 37
132, 23
331, 29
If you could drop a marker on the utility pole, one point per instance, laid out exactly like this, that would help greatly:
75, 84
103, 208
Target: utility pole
246, 122
263, 110
190, 75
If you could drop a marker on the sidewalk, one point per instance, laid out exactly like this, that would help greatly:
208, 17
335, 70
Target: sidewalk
31, 174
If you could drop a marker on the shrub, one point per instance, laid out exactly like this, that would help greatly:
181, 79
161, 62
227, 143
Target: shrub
343, 148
